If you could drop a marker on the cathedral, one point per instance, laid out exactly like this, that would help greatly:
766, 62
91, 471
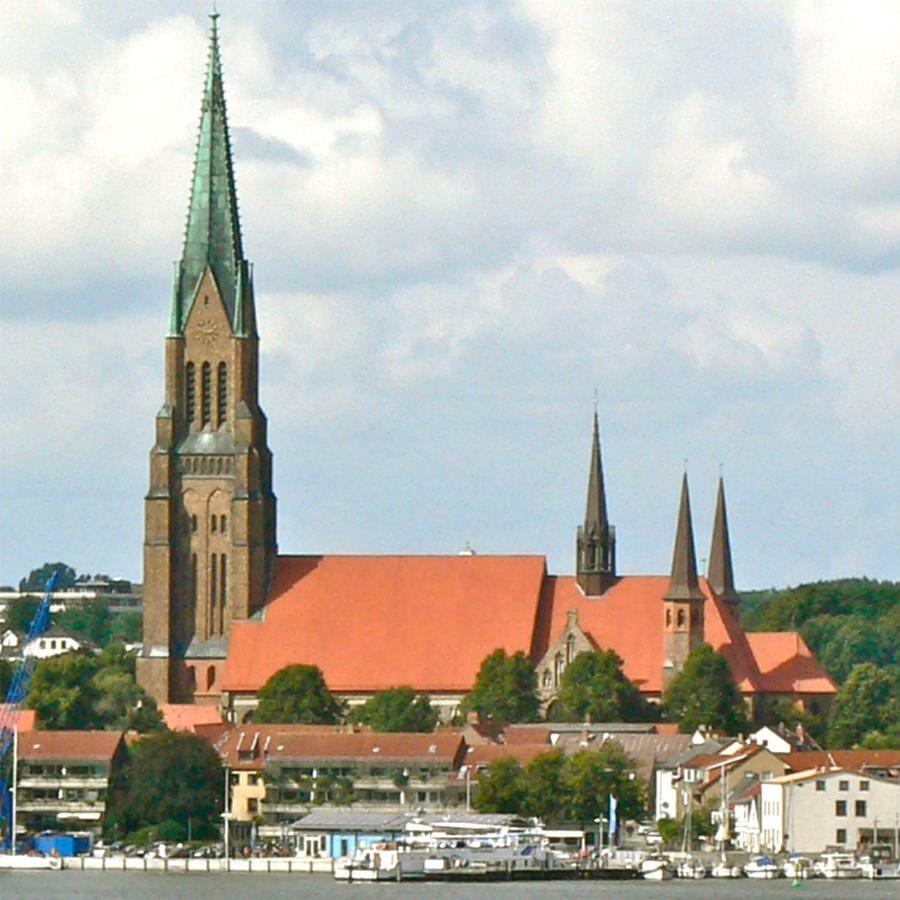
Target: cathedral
224, 611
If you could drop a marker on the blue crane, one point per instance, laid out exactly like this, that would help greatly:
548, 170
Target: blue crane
17, 692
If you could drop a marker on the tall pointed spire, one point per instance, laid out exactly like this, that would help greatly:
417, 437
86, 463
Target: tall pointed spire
683, 584
596, 540
720, 573
213, 233
595, 513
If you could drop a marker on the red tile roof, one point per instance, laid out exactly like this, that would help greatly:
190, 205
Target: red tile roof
787, 665
375, 622
628, 619
485, 754
23, 719
69, 745
844, 759
187, 716
252, 746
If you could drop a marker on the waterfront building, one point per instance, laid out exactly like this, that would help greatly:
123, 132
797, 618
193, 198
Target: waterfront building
809, 811
64, 778
224, 611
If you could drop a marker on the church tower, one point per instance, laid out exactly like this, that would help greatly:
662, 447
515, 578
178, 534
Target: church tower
683, 602
596, 540
210, 547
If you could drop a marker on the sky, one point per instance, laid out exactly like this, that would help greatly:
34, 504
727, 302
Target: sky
465, 220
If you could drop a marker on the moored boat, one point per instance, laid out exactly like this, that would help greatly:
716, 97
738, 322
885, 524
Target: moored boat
725, 869
29, 861
692, 868
656, 868
762, 867
839, 865
798, 867
381, 862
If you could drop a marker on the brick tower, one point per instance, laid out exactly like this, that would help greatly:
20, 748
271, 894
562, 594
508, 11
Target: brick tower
210, 546
683, 602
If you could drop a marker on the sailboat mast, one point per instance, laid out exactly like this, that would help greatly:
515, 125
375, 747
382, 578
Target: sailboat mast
15, 788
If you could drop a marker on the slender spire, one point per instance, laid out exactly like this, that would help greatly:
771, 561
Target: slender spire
683, 584
720, 573
595, 518
213, 233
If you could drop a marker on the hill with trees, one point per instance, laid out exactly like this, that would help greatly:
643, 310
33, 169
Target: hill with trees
845, 622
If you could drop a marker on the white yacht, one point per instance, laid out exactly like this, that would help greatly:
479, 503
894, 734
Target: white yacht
762, 867
799, 868
839, 865
656, 868
381, 862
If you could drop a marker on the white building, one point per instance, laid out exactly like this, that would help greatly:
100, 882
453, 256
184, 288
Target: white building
806, 812
53, 642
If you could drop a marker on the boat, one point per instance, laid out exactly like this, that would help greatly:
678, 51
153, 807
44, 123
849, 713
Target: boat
839, 865
692, 868
19, 861
724, 869
381, 862
656, 868
798, 868
762, 867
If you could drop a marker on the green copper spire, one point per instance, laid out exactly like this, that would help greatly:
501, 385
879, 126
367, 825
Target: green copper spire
213, 234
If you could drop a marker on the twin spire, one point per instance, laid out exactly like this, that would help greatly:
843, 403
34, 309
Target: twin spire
213, 234
684, 584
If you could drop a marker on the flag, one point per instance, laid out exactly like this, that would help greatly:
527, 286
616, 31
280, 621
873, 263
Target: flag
613, 821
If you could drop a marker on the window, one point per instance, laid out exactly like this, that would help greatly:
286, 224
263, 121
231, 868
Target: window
253, 805
223, 394
223, 522
214, 524
206, 400
193, 523
680, 618
190, 387
843, 785
668, 617
213, 592
192, 587
860, 807
840, 807
864, 785
840, 836
820, 785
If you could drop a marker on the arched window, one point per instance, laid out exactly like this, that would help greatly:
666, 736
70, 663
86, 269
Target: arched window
669, 618
557, 668
223, 524
223, 590
546, 678
193, 523
213, 592
190, 389
680, 618
206, 402
213, 523
570, 648
223, 394
210, 677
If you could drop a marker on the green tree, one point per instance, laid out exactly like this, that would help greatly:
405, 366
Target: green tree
90, 619
594, 689
128, 627
505, 690
397, 709
868, 701
297, 694
591, 777
704, 693
500, 788
20, 613
543, 785
169, 776
63, 693
7, 673
37, 578
122, 705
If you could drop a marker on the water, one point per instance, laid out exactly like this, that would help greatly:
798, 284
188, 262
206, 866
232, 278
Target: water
200, 886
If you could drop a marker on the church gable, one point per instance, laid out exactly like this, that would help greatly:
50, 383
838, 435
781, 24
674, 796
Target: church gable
572, 641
